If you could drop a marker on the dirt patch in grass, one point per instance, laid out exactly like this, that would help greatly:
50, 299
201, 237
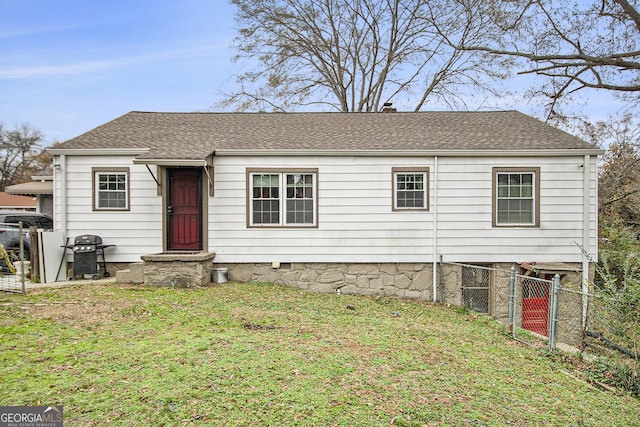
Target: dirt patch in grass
81, 307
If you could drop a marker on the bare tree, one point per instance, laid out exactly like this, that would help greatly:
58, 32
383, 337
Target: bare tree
19, 150
619, 184
355, 55
574, 45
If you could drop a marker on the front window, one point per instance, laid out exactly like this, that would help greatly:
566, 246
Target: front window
516, 197
410, 188
111, 189
285, 198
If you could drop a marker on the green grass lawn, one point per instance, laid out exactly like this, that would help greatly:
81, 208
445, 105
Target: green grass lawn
265, 355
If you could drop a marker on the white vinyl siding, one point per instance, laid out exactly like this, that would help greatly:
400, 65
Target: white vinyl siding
135, 232
355, 219
356, 222
465, 229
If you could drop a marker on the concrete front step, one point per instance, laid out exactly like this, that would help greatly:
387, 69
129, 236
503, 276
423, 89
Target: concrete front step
134, 274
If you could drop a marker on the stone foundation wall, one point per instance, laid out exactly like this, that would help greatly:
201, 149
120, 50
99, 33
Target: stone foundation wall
400, 280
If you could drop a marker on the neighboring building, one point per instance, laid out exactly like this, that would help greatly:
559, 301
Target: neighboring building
39, 190
364, 202
14, 202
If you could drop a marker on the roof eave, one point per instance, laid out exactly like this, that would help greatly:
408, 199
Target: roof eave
172, 162
32, 188
414, 153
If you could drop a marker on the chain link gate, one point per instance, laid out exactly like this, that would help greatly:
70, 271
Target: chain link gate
533, 308
475, 288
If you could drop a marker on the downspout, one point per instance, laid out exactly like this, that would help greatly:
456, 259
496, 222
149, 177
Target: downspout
586, 228
435, 229
61, 218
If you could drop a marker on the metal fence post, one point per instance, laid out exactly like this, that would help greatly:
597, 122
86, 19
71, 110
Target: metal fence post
512, 300
21, 256
553, 312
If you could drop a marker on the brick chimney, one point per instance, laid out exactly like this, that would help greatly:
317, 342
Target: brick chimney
387, 108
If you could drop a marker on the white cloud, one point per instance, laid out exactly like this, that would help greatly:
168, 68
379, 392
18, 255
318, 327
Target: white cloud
88, 66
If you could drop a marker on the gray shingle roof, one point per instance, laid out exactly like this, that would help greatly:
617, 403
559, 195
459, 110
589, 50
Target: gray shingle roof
196, 135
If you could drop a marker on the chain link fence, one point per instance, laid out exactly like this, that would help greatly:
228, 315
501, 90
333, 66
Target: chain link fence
13, 258
549, 311
609, 332
538, 311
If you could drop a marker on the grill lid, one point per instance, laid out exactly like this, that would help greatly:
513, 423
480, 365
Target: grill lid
88, 239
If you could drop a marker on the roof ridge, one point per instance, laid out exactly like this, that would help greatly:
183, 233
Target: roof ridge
323, 112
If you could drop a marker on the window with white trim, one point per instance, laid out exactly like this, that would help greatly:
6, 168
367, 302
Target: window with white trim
111, 189
285, 198
410, 189
516, 197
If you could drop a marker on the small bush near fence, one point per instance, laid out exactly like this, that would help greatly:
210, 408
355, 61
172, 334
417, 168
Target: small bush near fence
613, 331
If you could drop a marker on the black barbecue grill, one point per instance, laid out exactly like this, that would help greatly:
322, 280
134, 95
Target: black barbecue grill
87, 250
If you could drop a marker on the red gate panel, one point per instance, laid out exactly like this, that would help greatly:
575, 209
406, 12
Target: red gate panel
535, 307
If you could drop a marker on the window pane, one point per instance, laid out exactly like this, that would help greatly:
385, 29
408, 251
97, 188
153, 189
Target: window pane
410, 190
266, 204
300, 211
526, 209
515, 198
299, 199
111, 190
266, 212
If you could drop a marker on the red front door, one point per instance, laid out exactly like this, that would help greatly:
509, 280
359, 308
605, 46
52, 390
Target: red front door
535, 306
184, 209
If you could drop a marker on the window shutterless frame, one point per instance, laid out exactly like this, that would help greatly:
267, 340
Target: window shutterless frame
282, 198
410, 189
110, 189
516, 197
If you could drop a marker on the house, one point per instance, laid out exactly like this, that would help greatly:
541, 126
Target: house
41, 188
364, 203
16, 202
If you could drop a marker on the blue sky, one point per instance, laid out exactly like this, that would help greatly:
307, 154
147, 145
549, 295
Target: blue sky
67, 66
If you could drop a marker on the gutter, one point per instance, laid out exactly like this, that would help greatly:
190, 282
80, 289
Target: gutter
172, 162
411, 153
